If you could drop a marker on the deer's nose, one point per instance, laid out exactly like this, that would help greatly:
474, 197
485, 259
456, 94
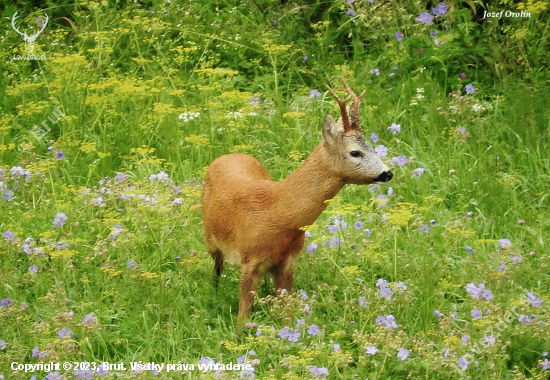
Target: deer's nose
384, 177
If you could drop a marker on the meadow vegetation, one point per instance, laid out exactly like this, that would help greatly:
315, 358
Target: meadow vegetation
443, 273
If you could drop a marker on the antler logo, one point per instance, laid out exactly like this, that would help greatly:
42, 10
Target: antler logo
29, 40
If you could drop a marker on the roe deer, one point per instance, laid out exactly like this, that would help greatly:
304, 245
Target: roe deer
255, 222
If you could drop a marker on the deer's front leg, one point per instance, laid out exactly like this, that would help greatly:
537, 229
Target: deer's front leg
250, 277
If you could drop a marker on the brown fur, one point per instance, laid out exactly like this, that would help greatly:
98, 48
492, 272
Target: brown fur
245, 212
255, 222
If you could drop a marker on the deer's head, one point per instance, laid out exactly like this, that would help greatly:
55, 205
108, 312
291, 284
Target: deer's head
29, 40
351, 156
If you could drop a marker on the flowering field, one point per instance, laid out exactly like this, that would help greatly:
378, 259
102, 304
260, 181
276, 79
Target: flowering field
442, 273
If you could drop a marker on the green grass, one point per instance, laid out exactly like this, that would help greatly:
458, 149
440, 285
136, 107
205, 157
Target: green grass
128, 82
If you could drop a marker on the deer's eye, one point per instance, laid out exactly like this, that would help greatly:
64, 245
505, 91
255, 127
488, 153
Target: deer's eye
355, 153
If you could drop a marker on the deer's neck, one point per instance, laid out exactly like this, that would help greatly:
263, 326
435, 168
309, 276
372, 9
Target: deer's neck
303, 193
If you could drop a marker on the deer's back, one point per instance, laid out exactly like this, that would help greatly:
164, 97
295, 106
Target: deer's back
237, 196
235, 167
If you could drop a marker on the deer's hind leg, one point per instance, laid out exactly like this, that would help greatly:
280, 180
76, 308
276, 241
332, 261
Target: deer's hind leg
217, 255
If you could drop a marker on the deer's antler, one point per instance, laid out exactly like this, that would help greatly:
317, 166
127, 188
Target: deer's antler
354, 125
13, 24
356, 103
343, 108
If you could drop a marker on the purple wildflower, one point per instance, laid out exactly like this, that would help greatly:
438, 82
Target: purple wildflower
476, 314
517, 259
425, 18
314, 94
60, 219
533, 299
313, 330
8, 235
33, 269
335, 242
473, 290
17, 171
400, 287
399, 36
522, 318
64, 334
469, 249
89, 319
374, 137
440, 9
5, 302
363, 302
8, 194
358, 225
59, 155
489, 340
339, 222
371, 350
469, 88
284, 333
403, 353
350, 12
504, 243
463, 363
319, 372
368, 232
293, 336
418, 172
394, 128
401, 160
386, 293
381, 150
53, 376
312, 247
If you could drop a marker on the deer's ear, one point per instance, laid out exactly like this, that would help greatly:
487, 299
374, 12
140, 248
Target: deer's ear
330, 130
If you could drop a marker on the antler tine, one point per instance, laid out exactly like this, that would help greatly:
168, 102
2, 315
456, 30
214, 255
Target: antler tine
343, 108
356, 104
13, 23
